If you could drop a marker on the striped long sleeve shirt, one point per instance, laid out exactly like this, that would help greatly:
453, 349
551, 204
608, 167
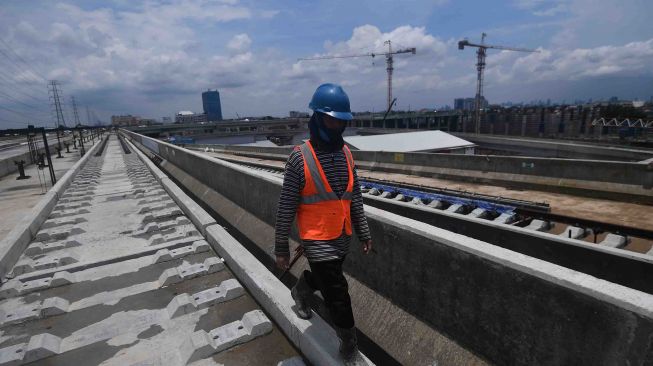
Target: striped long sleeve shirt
334, 165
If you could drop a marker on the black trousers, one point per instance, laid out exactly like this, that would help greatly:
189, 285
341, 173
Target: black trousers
327, 277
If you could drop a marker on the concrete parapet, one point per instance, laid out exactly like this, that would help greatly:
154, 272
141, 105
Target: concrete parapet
607, 179
602, 261
567, 170
197, 215
600, 178
508, 307
492, 299
557, 148
7, 165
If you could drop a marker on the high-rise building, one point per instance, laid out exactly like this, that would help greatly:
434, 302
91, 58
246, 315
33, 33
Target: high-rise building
211, 103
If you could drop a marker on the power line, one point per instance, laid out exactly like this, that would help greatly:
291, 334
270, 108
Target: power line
18, 68
18, 90
28, 67
33, 70
29, 110
30, 93
16, 112
18, 101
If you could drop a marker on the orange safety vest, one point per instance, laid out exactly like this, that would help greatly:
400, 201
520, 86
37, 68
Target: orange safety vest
321, 214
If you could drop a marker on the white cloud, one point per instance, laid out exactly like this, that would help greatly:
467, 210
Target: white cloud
543, 7
152, 59
552, 11
367, 75
239, 43
630, 59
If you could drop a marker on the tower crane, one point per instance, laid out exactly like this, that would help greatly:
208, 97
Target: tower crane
388, 60
480, 66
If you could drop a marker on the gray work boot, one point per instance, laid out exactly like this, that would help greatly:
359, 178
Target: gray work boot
301, 293
348, 344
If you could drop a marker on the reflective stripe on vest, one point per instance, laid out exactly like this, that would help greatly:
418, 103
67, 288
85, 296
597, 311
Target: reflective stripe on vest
322, 215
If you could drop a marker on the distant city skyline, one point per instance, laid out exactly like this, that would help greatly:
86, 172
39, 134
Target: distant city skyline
156, 58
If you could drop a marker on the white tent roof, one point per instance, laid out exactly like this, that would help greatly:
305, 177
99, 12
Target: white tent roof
408, 142
262, 143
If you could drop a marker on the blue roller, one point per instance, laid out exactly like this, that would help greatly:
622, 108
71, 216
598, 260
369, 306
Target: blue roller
489, 206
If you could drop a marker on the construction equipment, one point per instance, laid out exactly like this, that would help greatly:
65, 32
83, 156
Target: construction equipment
388, 60
480, 66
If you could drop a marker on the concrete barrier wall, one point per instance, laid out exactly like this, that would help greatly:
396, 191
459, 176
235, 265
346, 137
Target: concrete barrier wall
7, 165
635, 174
633, 178
245, 149
611, 264
508, 307
558, 148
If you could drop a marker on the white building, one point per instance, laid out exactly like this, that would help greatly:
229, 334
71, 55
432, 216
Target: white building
190, 117
421, 141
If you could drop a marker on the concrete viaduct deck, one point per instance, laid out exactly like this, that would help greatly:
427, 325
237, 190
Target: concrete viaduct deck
138, 256
117, 266
432, 296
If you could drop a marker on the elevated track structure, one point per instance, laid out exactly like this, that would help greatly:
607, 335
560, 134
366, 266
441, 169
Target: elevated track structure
472, 301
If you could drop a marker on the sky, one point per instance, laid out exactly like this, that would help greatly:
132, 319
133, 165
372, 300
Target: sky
154, 58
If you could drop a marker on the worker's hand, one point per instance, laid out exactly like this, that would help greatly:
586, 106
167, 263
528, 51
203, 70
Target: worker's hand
367, 246
283, 262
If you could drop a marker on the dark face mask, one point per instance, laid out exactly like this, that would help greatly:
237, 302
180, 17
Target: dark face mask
325, 138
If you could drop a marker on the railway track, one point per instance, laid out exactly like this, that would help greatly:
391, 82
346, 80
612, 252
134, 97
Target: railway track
534, 216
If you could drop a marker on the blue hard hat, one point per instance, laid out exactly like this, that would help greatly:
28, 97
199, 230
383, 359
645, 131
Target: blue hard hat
332, 100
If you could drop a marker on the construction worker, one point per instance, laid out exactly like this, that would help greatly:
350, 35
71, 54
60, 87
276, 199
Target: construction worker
321, 188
